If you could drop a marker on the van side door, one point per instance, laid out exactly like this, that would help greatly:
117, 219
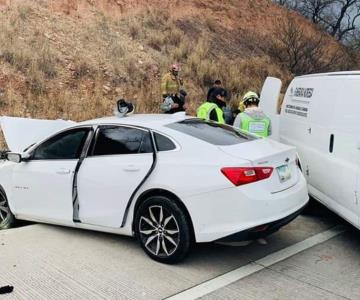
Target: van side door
344, 149
334, 161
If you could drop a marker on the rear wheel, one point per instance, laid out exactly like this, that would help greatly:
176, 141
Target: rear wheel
163, 230
7, 219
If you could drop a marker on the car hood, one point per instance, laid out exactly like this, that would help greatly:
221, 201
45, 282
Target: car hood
20, 133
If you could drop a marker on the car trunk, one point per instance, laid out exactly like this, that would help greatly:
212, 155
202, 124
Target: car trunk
269, 153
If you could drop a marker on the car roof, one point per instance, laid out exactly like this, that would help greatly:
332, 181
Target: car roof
344, 73
142, 120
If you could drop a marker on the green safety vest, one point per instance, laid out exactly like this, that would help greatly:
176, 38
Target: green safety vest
259, 127
205, 109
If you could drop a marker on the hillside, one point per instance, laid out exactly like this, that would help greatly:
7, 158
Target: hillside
72, 59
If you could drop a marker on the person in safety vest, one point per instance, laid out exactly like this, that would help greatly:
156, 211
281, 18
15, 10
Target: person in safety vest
173, 96
214, 110
253, 119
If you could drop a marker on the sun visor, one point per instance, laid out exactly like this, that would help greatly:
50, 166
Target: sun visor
20, 133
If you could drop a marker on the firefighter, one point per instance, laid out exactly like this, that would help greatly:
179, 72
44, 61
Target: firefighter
173, 96
213, 109
253, 119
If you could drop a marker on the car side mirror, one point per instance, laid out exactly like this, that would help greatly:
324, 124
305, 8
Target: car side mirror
14, 157
17, 157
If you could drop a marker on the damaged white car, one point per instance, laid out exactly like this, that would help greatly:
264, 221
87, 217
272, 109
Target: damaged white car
170, 180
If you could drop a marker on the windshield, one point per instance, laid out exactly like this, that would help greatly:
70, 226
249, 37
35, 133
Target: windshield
211, 132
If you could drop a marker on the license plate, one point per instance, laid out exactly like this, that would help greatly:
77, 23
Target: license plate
284, 173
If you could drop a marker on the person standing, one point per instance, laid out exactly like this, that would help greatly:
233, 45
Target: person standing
217, 84
253, 119
171, 83
213, 109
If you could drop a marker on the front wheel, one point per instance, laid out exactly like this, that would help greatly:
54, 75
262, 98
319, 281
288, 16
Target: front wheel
163, 230
7, 219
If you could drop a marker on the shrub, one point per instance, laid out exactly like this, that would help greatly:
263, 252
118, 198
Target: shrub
134, 28
46, 62
24, 11
155, 41
173, 37
155, 18
211, 24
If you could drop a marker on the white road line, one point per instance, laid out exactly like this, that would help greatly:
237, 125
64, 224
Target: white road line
258, 265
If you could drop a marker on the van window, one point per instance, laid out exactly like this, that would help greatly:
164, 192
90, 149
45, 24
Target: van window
211, 132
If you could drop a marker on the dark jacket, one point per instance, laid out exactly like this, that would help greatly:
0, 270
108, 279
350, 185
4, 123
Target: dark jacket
211, 90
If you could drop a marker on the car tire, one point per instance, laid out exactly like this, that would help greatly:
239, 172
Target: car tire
163, 230
7, 219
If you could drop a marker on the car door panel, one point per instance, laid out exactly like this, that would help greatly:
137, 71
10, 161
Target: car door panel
105, 185
121, 158
43, 189
43, 185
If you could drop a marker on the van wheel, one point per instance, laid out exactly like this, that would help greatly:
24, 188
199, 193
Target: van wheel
7, 219
163, 230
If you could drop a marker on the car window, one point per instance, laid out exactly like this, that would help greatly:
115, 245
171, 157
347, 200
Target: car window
163, 143
122, 140
211, 132
65, 145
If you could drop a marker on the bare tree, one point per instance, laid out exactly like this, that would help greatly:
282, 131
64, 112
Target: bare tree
340, 18
291, 4
302, 53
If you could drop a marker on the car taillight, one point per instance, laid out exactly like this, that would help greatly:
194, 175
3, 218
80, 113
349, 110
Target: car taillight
240, 176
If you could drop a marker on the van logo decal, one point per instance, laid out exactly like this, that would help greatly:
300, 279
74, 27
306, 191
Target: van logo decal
302, 92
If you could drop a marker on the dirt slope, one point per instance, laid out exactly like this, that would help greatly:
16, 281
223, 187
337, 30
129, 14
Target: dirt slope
73, 58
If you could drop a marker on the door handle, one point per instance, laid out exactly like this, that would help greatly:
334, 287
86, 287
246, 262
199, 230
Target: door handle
63, 172
131, 168
331, 143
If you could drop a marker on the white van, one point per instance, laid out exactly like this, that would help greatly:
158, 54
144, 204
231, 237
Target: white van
320, 115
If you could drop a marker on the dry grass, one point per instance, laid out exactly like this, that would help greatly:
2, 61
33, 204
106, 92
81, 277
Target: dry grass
78, 69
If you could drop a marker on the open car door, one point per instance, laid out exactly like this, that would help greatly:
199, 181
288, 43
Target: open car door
269, 100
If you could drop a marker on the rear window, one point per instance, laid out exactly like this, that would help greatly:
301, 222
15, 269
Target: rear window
211, 132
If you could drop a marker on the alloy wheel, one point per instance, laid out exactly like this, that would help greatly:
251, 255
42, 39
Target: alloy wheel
4, 210
159, 231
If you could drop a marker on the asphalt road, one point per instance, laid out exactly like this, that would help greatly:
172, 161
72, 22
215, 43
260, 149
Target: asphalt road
50, 262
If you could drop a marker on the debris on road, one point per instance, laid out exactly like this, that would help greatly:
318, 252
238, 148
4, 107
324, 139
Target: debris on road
6, 289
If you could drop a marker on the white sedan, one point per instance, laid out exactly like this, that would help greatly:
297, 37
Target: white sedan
169, 180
